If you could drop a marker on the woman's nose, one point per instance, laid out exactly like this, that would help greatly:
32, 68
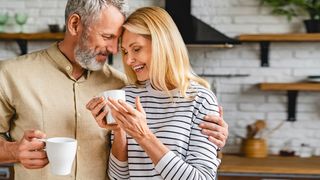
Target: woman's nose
130, 59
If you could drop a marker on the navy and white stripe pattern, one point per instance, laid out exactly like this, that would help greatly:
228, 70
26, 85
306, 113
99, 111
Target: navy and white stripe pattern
176, 125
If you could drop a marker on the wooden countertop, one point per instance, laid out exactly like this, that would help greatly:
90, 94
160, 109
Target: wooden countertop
271, 164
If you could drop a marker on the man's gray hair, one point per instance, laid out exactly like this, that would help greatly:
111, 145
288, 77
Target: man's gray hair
89, 10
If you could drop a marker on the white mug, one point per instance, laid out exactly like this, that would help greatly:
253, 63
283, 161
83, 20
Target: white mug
61, 152
115, 94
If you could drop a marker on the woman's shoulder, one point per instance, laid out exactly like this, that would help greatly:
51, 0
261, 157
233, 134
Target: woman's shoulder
134, 88
199, 89
201, 92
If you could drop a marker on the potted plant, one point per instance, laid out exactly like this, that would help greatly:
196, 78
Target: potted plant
292, 8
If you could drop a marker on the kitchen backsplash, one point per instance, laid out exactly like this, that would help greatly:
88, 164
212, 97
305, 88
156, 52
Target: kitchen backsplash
243, 102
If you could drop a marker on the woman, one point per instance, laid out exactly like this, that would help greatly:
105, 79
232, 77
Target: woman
157, 135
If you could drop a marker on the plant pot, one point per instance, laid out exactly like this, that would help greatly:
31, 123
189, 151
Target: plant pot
312, 26
254, 148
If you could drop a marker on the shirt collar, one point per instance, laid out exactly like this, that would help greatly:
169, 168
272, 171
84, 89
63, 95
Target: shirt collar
62, 61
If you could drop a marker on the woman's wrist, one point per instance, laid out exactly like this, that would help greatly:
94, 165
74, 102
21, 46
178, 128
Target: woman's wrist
119, 133
146, 136
153, 147
119, 147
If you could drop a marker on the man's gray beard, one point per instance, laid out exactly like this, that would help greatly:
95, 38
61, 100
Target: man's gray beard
87, 58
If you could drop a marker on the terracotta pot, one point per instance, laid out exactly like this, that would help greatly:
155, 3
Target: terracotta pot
254, 148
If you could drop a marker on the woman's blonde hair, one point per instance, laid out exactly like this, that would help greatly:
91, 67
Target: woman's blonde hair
170, 67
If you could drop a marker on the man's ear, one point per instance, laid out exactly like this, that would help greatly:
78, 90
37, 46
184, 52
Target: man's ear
74, 24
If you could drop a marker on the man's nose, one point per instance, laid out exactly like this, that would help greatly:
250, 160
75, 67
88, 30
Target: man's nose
114, 47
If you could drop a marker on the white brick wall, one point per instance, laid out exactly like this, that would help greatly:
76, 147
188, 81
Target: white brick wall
242, 100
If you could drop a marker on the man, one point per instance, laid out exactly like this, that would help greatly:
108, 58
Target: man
43, 94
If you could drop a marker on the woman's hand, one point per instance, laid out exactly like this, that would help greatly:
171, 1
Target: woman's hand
134, 122
131, 120
97, 107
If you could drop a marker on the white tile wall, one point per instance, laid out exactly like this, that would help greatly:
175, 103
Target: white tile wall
243, 102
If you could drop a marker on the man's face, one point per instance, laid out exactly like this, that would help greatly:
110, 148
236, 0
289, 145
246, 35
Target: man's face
99, 39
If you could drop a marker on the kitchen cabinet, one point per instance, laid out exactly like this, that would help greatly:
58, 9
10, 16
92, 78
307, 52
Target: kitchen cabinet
266, 39
272, 167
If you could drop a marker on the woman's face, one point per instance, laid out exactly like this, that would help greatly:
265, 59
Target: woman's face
137, 53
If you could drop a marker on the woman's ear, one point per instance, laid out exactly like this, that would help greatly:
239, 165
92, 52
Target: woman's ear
74, 24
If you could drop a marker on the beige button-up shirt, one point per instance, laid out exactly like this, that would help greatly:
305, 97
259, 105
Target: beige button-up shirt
37, 91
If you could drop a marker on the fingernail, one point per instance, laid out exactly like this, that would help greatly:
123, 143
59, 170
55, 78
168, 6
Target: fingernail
37, 132
201, 125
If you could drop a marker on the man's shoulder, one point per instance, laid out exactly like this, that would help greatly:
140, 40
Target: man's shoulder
23, 61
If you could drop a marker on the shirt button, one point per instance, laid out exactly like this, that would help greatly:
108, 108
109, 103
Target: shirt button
68, 68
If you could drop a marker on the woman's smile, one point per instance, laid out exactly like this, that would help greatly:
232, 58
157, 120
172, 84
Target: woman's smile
138, 68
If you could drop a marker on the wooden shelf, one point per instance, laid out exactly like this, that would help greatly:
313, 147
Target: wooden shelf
32, 36
292, 93
265, 39
297, 37
290, 86
23, 38
295, 166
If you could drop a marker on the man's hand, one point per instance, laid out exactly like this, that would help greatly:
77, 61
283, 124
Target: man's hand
29, 151
216, 129
97, 107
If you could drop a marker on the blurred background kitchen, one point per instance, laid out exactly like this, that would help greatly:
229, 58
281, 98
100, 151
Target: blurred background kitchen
235, 73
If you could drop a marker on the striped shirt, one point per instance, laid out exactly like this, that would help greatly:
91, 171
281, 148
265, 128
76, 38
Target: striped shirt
175, 122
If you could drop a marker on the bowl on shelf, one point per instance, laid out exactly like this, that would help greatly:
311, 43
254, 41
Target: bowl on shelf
54, 28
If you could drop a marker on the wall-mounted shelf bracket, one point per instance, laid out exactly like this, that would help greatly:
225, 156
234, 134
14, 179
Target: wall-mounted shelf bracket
110, 59
292, 93
292, 105
23, 45
265, 39
264, 53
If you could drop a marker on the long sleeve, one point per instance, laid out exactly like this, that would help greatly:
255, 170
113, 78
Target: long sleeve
118, 169
201, 161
